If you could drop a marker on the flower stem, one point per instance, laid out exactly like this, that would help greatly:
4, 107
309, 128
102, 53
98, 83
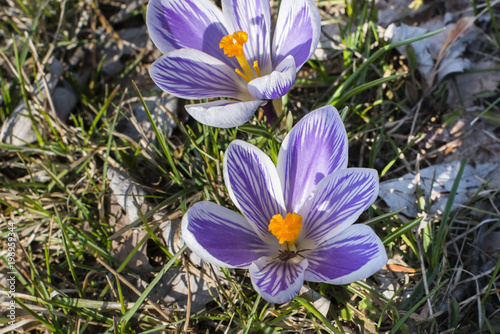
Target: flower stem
269, 112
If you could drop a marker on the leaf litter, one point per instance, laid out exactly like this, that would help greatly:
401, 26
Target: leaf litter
443, 60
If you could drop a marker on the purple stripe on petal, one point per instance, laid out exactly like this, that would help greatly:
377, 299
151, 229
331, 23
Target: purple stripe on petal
276, 84
192, 24
350, 256
316, 147
221, 236
223, 113
253, 185
254, 18
278, 281
336, 203
192, 74
297, 31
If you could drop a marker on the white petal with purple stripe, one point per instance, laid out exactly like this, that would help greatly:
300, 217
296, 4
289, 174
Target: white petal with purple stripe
221, 236
336, 203
297, 31
192, 24
192, 74
316, 147
278, 281
354, 254
276, 84
253, 185
254, 18
223, 113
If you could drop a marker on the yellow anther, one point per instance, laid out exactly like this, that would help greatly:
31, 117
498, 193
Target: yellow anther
287, 229
256, 68
247, 79
233, 47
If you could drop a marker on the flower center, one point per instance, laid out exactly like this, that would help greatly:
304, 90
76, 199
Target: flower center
287, 229
233, 47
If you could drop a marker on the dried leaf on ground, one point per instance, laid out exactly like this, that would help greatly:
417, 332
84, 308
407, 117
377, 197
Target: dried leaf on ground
20, 320
482, 78
174, 286
441, 54
18, 128
321, 303
435, 184
126, 198
329, 41
127, 42
161, 106
390, 11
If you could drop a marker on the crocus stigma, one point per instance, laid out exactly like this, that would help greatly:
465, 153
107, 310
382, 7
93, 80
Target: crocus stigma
209, 53
297, 222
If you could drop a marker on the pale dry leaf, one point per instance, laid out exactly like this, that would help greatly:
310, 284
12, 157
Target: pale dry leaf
125, 201
426, 50
390, 11
435, 184
129, 195
490, 246
465, 86
18, 127
391, 282
130, 40
440, 55
17, 317
329, 41
321, 303
161, 106
130, 7
174, 286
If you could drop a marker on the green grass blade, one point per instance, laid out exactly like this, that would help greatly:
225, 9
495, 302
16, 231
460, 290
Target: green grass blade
401, 230
126, 318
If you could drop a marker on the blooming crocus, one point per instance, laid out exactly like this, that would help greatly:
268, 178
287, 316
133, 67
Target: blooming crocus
297, 222
211, 53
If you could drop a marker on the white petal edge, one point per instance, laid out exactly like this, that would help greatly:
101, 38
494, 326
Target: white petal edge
276, 84
223, 113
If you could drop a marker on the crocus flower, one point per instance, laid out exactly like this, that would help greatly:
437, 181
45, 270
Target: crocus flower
211, 53
298, 216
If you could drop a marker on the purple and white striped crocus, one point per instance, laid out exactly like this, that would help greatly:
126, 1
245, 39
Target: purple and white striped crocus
211, 53
298, 216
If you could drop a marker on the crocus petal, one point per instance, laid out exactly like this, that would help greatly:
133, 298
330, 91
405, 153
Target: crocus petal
278, 281
350, 256
297, 31
253, 184
254, 18
223, 113
221, 236
192, 24
276, 84
192, 74
336, 203
316, 146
